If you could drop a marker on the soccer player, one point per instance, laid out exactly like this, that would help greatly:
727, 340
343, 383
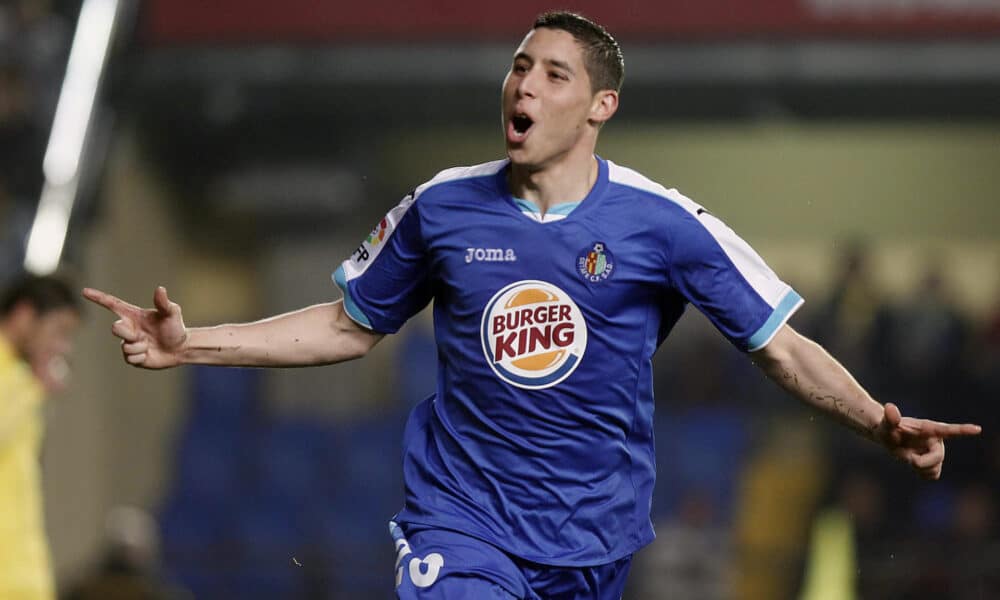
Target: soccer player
38, 318
555, 275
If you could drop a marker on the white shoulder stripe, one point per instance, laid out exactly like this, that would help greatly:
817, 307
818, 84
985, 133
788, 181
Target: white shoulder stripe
750, 265
457, 173
625, 176
372, 246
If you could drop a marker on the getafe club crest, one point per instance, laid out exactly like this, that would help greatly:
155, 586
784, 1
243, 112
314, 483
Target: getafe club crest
596, 264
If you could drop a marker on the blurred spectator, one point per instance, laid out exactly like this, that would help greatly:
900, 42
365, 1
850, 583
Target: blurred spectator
21, 139
15, 222
988, 353
992, 328
929, 335
849, 323
38, 317
20, 167
986, 460
6, 29
42, 43
130, 570
8, 249
927, 346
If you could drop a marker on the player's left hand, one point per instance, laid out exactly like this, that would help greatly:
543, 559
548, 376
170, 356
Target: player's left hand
919, 442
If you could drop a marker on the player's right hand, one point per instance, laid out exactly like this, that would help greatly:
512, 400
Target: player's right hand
919, 442
152, 338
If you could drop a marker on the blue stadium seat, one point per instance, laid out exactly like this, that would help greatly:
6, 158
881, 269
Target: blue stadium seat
701, 451
288, 457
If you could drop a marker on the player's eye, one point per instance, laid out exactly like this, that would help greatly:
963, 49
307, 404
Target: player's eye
557, 76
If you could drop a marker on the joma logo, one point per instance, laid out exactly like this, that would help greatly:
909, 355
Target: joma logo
490, 255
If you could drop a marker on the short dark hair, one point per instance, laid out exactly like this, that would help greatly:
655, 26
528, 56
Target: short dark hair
601, 53
43, 292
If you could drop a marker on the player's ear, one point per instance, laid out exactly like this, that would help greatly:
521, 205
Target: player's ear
604, 106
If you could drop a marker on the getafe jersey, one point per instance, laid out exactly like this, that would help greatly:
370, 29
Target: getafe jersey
539, 436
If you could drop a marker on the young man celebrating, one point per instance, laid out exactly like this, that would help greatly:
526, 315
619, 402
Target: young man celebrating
38, 317
555, 275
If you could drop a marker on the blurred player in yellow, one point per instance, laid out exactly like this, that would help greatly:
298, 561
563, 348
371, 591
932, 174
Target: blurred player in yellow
38, 317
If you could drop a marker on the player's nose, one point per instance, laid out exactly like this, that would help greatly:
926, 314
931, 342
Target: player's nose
527, 84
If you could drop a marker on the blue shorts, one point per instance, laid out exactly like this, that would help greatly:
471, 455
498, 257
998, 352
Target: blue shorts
439, 564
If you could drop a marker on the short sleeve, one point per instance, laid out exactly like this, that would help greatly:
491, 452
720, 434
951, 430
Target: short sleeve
386, 280
718, 272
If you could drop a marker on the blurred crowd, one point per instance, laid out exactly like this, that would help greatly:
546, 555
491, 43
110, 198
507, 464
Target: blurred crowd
924, 354
34, 43
798, 505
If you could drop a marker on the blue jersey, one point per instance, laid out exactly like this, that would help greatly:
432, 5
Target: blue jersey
539, 436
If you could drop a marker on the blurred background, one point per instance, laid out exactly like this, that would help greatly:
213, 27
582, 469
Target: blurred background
237, 151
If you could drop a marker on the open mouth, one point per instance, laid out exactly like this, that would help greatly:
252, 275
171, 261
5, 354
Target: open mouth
520, 124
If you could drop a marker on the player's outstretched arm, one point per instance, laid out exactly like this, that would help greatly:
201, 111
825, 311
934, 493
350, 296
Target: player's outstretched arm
808, 372
156, 338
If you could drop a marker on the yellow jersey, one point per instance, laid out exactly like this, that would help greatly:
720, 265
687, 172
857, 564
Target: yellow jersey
25, 571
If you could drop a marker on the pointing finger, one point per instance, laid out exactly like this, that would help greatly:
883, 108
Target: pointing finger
112, 303
947, 430
123, 329
943, 430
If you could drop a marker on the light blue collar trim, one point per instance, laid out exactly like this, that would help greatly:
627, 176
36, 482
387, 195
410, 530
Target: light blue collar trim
563, 208
526, 205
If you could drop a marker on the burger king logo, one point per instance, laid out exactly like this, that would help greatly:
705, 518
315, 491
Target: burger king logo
533, 334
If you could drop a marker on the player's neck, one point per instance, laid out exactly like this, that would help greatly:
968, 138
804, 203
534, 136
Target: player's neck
568, 180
